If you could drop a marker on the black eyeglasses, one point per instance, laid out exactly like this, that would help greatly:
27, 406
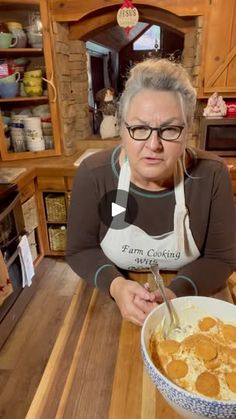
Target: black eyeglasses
144, 132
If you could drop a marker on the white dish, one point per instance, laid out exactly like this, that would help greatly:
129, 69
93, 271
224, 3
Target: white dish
188, 405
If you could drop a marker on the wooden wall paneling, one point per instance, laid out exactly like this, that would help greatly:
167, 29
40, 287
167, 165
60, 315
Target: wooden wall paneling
27, 191
219, 58
54, 183
92, 24
232, 67
79, 30
69, 10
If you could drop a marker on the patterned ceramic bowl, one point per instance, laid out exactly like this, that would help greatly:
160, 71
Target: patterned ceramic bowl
186, 404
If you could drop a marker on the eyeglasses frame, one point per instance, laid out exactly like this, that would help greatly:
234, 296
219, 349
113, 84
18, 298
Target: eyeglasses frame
158, 130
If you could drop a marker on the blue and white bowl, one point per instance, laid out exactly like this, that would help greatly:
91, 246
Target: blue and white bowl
186, 404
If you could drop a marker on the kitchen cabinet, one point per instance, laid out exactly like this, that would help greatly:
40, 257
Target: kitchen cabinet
54, 200
38, 58
11, 229
29, 207
219, 49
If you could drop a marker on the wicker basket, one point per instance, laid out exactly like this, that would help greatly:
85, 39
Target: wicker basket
56, 208
57, 238
30, 215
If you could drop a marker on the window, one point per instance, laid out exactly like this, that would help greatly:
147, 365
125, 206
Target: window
149, 40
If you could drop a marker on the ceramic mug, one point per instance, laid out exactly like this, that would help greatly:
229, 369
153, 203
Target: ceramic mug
15, 77
17, 31
7, 40
8, 89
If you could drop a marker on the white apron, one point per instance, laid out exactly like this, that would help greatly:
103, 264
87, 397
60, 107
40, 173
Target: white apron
133, 249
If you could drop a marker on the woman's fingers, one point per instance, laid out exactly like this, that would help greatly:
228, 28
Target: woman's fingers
134, 301
143, 305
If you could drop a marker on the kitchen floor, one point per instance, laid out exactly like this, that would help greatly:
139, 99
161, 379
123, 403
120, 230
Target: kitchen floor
24, 356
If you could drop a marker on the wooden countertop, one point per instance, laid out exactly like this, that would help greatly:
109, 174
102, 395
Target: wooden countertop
64, 165
54, 166
95, 369
51, 166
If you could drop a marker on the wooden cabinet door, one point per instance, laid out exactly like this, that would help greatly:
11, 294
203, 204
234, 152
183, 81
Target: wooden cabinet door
38, 58
219, 48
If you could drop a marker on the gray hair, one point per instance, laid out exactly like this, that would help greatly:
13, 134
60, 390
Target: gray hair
159, 74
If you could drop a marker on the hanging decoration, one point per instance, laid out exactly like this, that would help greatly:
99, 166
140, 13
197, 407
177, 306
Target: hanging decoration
127, 16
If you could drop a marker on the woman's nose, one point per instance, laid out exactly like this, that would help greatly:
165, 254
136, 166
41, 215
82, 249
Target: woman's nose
154, 142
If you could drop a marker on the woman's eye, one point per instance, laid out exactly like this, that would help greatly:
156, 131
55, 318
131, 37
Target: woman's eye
140, 130
170, 130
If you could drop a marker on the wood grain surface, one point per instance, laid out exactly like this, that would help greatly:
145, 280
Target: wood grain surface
72, 356
95, 369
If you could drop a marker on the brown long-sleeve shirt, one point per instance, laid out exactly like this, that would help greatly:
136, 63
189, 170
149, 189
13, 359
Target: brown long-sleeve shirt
209, 199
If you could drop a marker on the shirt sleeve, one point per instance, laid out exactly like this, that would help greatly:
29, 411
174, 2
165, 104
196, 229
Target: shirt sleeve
209, 272
83, 253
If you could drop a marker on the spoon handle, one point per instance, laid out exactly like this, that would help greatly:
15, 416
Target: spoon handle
161, 286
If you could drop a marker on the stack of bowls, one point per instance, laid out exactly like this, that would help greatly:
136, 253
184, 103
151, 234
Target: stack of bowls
33, 134
17, 133
47, 134
33, 83
43, 112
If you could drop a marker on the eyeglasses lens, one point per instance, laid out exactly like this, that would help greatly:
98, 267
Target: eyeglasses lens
143, 132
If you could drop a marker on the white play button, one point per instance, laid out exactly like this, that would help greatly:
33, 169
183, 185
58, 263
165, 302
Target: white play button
116, 209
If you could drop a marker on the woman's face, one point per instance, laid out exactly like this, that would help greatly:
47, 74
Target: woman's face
152, 162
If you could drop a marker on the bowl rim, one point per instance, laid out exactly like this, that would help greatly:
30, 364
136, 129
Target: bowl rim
168, 381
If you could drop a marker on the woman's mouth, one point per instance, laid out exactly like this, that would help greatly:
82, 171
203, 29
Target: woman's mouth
152, 160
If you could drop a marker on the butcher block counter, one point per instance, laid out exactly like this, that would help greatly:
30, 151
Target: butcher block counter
95, 369
64, 165
52, 166
52, 178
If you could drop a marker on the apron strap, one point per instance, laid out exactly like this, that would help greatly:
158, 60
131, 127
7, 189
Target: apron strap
123, 185
181, 218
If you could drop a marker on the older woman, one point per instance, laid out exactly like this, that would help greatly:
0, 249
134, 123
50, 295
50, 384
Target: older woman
185, 217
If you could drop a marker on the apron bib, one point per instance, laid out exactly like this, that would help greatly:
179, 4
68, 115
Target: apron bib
133, 249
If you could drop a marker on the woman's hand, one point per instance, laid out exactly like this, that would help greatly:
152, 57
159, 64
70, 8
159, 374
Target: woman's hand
134, 301
157, 297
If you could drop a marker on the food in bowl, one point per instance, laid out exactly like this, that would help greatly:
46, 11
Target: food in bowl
202, 362
195, 372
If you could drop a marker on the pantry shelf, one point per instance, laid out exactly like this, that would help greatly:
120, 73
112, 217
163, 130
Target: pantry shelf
24, 99
15, 52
